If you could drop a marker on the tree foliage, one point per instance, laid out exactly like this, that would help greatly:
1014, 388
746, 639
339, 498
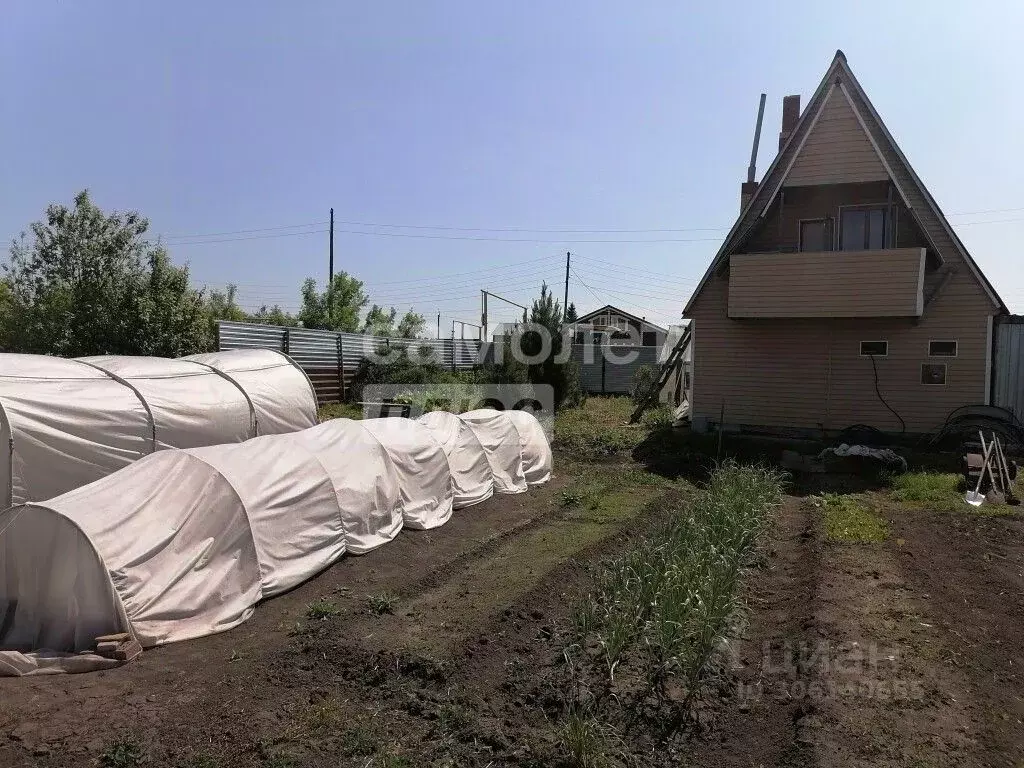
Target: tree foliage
380, 321
86, 283
570, 314
412, 326
564, 377
336, 308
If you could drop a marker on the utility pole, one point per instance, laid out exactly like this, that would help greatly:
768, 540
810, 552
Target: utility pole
483, 313
330, 272
439, 325
565, 302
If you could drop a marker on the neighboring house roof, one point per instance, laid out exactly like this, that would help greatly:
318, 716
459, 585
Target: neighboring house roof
840, 88
616, 310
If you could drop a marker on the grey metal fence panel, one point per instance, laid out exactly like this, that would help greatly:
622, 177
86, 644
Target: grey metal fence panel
602, 371
1008, 373
332, 358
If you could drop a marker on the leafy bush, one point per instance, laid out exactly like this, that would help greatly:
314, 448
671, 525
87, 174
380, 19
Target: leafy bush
644, 379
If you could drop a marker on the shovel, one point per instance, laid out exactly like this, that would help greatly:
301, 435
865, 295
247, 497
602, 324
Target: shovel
974, 498
1004, 469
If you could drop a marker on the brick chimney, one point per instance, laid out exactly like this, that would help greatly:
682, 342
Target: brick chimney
790, 116
747, 191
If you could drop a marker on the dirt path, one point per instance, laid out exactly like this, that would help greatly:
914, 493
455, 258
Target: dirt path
919, 650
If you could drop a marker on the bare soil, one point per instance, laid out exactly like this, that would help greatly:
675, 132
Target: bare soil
906, 652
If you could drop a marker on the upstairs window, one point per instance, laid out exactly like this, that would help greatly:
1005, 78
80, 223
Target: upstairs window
813, 235
861, 229
941, 349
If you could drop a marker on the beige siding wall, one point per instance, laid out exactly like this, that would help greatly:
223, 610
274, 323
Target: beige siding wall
837, 284
809, 373
837, 150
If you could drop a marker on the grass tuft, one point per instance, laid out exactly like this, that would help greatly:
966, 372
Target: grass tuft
850, 520
382, 603
321, 610
585, 742
123, 753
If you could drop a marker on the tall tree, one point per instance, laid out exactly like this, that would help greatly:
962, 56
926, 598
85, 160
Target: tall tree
335, 309
570, 313
86, 282
546, 319
412, 325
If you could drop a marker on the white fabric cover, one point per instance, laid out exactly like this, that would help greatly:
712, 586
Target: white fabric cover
191, 405
365, 481
534, 443
68, 424
472, 481
184, 543
501, 443
65, 423
280, 391
423, 474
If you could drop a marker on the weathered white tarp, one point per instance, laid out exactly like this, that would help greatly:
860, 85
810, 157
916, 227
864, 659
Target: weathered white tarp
184, 543
501, 443
472, 481
279, 390
422, 467
65, 423
534, 444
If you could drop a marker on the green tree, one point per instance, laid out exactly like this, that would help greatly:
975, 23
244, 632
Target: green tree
412, 325
335, 309
272, 316
546, 320
570, 313
6, 310
86, 282
380, 321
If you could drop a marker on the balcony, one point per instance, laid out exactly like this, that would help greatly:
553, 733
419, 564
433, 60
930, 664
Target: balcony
880, 283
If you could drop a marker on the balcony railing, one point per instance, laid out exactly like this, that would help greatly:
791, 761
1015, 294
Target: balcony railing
881, 283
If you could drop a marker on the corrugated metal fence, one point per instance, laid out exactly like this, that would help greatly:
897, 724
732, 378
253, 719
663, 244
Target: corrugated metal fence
608, 370
331, 359
1008, 373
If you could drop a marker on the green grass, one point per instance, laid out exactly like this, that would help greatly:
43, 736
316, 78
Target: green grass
599, 427
123, 753
668, 602
320, 610
927, 487
585, 742
340, 411
851, 520
382, 603
359, 740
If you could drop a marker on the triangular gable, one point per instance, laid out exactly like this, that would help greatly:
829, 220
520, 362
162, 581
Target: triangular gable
838, 97
837, 150
616, 310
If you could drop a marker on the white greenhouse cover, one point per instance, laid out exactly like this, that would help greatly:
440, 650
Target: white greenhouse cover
501, 443
472, 481
279, 390
65, 423
537, 458
422, 467
184, 543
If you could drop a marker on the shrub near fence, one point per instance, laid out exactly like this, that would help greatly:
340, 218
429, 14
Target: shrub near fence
331, 359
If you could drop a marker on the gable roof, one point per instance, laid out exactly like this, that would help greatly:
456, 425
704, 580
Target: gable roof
610, 308
838, 96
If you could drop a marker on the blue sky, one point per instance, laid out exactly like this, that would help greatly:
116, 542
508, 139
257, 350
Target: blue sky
506, 124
